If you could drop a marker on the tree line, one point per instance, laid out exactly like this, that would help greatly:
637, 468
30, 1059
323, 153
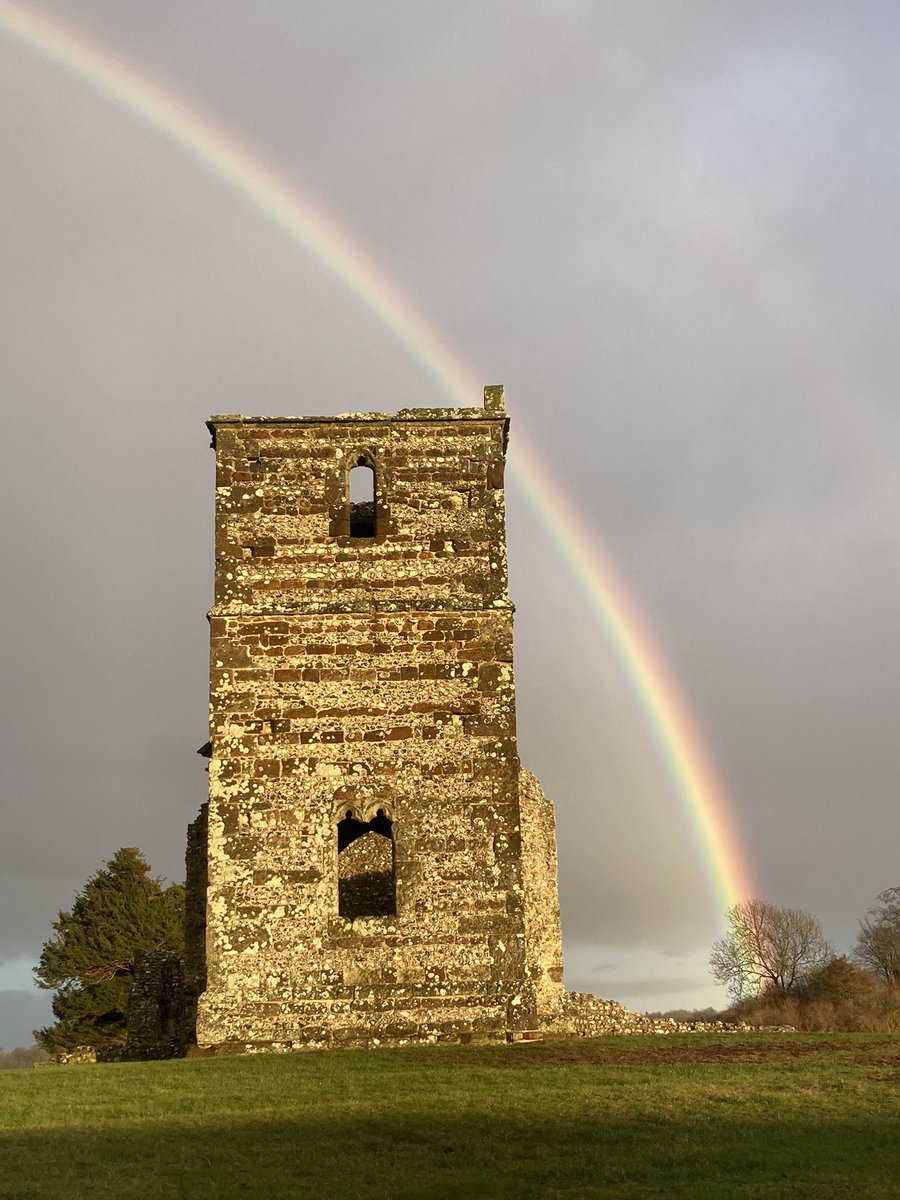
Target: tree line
11, 1060
776, 963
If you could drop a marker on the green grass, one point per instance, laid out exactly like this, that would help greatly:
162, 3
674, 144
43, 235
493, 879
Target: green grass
765, 1115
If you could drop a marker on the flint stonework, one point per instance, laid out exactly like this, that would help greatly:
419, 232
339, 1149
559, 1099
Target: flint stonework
367, 680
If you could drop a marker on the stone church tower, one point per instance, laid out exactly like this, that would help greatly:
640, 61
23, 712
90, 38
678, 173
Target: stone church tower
374, 866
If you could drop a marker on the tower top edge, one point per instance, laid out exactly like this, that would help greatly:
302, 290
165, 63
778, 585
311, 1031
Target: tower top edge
494, 408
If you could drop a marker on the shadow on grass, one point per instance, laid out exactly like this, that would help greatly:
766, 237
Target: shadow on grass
452, 1156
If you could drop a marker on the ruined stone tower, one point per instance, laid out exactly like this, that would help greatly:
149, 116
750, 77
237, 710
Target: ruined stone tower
376, 866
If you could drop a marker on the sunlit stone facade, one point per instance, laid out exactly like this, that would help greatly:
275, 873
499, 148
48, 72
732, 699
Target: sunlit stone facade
374, 865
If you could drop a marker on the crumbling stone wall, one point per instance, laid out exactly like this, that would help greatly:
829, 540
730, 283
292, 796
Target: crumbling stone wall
370, 676
579, 1014
156, 1009
543, 937
196, 885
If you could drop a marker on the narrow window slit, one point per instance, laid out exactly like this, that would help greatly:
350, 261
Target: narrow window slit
362, 500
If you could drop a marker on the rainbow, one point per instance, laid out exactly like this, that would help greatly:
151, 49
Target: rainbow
647, 674
296, 215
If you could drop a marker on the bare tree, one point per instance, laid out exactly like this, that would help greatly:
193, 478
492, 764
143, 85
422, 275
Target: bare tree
878, 944
20, 1057
767, 948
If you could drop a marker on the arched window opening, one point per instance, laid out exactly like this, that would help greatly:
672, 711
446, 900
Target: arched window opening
362, 500
367, 883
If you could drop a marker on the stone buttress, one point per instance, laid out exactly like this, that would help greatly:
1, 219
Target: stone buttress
377, 866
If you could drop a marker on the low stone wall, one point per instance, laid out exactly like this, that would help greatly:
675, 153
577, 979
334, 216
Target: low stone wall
75, 1056
580, 1014
114, 1052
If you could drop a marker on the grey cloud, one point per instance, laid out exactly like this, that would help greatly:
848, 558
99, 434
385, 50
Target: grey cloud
20, 1014
653, 987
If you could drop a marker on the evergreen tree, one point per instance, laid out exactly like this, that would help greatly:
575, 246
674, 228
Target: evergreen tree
121, 910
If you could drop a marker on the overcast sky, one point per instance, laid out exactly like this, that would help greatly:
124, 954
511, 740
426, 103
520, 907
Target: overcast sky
669, 228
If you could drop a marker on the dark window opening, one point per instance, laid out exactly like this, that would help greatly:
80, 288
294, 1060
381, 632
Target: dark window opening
362, 500
367, 883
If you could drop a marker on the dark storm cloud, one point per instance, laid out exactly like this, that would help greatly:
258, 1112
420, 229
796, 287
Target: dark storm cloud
669, 230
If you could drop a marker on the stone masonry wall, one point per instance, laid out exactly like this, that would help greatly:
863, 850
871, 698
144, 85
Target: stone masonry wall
156, 1009
371, 676
541, 901
282, 513
196, 887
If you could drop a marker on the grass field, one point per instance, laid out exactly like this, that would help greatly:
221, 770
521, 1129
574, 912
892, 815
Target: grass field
705, 1116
